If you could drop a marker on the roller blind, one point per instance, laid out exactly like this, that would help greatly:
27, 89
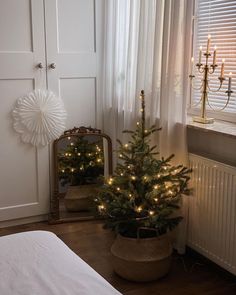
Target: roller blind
217, 18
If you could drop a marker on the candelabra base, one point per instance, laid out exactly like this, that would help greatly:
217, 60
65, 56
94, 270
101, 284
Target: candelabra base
203, 120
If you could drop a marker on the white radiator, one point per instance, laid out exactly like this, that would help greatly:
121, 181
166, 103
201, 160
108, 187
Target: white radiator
212, 211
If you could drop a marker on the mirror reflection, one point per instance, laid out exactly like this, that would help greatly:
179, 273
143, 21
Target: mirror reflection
81, 162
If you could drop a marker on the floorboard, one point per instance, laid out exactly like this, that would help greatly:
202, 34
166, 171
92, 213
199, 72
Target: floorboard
190, 274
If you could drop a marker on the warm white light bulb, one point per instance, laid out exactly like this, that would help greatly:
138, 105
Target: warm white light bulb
139, 209
110, 180
101, 207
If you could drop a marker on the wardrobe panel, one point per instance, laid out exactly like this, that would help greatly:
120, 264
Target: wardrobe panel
24, 174
76, 23
73, 38
18, 174
71, 69
80, 100
15, 25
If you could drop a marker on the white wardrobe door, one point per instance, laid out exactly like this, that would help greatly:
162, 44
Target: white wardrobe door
73, 35
24, 174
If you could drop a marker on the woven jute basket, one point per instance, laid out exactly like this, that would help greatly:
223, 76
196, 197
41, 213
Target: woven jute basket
79, 198
141, 260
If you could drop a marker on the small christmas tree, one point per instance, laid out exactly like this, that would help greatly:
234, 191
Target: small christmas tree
144, 191
81, 162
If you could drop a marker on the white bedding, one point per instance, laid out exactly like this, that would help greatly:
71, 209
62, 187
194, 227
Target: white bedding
39, 263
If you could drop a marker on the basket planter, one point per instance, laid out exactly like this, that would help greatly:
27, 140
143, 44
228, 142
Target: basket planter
141, 260
79, 198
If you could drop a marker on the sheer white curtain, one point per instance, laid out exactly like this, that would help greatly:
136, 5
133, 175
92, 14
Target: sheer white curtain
147, 46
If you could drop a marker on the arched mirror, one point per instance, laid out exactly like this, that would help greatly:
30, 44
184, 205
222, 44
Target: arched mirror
82, 157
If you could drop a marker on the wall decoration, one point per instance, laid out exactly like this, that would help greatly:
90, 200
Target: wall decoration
39, 117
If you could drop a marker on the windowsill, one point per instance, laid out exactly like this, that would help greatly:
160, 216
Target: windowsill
219, 127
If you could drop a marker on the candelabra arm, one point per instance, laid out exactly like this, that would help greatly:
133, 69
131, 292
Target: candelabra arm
218, 89
200, 69
212, 69
192, 84
226, 104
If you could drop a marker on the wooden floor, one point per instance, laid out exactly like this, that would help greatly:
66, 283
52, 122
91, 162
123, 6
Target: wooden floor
190, 275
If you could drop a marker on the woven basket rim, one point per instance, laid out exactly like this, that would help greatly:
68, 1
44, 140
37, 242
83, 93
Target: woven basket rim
144, 239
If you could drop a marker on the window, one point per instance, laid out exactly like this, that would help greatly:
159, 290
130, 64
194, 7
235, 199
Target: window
217, 18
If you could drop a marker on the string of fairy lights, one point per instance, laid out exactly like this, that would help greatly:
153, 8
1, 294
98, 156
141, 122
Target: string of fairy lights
141, 183
167, 188
80, 159
79, 154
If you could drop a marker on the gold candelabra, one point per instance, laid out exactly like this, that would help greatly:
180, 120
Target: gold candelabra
208, 69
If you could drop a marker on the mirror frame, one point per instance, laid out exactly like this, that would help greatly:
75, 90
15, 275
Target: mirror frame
54, 216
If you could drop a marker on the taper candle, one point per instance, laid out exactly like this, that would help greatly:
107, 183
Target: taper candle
230, 80
214, 56
222, 68
208, 43
200, 55
192, 61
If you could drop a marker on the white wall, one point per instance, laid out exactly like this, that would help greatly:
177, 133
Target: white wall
215, 146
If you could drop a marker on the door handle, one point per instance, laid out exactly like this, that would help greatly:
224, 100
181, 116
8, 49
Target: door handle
39, 66
52, 66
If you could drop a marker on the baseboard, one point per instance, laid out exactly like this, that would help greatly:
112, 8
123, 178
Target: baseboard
25, 220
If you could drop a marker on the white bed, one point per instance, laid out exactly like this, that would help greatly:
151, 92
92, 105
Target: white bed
39, 263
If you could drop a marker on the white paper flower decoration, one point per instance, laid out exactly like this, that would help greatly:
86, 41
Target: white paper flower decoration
39, 117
